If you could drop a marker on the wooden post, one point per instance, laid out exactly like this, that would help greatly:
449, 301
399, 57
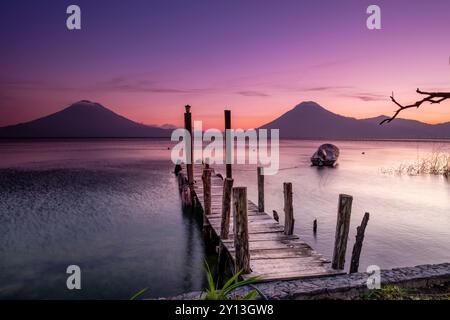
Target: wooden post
224, 227
356, 253
226, 208
260, 189
228, 143
188, 147
342, 228
315, 226
288, 209
206, 177
242, 260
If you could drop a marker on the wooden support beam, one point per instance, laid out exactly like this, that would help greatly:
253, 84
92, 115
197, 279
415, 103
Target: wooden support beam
206, 177
288, 209
188, 147
356, 253
228, 143
342, 229
226, 208
260, 173
242, 251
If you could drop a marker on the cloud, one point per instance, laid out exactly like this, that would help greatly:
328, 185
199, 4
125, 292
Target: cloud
367, 96
253, 94
332, 63
326, 88
348, 92
130, 84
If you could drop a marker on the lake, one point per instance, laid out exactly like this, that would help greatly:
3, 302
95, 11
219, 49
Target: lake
112, 208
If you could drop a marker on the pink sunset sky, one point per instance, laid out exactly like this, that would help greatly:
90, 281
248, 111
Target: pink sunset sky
146, 59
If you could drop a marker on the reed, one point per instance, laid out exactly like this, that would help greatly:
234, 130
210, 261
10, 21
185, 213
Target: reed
437, 163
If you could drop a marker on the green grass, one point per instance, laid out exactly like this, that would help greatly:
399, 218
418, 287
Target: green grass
213, 292
393, 292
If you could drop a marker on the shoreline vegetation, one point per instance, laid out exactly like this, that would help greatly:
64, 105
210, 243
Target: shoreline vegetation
394, 292
437, 163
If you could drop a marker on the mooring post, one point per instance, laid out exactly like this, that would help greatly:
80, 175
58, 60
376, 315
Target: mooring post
228, 143
188, 148
206, 177
226, 208
342, 228
288, 209
315, 226
224, 226
242, 251
260, 189
356, 253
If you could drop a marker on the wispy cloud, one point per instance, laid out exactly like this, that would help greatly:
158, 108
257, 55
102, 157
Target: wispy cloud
128, 84
367, 96
253, 94
325, 88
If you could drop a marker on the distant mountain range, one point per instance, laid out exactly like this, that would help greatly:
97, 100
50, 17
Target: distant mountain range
310, 120
83, 119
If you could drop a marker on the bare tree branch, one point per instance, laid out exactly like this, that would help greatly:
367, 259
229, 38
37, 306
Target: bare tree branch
432, 97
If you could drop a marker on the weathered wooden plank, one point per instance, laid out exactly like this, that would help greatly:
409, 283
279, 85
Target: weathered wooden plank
283, 253
292, 275
271, 244
268, 236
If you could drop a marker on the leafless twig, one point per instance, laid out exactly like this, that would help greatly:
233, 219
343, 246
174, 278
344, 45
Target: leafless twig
432, 97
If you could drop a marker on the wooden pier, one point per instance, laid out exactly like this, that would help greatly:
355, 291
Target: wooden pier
273, 254
246, 238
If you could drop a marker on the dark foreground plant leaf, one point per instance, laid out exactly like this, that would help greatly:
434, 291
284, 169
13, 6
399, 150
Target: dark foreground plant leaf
213, 292
138, 294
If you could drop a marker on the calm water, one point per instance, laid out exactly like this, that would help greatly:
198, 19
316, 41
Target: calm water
112, 208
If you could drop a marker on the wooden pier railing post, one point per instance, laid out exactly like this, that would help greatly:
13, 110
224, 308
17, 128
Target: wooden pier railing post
242, 250
224, 227
226, 208
356, 253
260, 189
206, 177
228, 143
188, 147
288, 209
342, 229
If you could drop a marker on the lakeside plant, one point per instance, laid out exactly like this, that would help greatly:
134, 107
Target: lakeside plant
213, 292
438, 163
138, 294
394, 292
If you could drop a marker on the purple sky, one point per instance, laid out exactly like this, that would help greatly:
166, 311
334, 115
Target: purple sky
147, 59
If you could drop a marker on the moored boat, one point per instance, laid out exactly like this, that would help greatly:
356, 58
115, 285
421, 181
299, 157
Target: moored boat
326, 155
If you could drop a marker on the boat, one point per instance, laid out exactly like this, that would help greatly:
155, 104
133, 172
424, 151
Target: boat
326, 155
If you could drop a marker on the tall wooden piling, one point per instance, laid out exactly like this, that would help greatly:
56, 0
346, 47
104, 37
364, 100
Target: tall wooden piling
260, 174
356, 253
288, 209
228, 143
342, 229
206, 177
188, 147
242, 250
224, 226
226, 208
